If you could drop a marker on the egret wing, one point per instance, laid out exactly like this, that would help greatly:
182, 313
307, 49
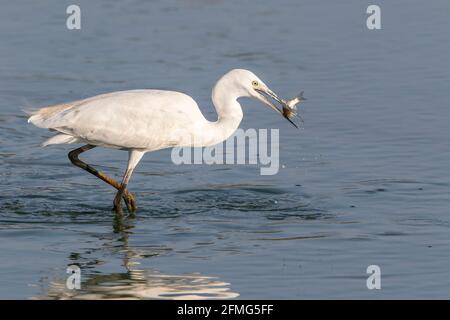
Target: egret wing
139, 119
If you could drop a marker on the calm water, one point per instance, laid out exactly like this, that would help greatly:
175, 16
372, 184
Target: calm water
366, 181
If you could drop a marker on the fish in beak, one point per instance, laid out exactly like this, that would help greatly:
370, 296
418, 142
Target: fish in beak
288, 108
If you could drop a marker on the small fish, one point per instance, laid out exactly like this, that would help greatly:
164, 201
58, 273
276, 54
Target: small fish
290, 108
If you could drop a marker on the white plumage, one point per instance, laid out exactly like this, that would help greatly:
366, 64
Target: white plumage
135, 119
147, 120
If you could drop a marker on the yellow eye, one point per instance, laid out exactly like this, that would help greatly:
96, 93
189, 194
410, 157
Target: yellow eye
255, 83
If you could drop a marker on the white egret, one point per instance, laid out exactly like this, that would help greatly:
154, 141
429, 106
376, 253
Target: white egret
140, 121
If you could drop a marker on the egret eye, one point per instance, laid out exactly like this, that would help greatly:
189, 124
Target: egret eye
255, 83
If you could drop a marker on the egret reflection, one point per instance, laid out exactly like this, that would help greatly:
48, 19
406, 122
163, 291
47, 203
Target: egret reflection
144, 284
134, 282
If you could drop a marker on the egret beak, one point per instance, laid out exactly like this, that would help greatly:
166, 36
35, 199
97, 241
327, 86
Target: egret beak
265, 94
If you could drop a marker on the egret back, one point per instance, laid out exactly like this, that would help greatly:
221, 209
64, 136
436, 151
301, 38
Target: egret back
134, 119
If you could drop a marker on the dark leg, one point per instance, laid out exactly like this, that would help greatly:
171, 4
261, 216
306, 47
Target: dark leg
127, 196
117, 207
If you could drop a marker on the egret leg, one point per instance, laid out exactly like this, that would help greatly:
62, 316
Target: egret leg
127, 196
134, 157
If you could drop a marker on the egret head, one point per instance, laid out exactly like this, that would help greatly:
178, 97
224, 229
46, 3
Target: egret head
246, 84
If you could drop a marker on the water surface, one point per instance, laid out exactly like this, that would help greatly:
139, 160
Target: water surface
364, 182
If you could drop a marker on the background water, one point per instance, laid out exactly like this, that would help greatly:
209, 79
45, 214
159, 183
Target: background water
366, 181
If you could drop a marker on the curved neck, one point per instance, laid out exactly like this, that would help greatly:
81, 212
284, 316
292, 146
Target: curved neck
229, 116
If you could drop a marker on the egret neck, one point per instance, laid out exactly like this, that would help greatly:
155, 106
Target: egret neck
229, 114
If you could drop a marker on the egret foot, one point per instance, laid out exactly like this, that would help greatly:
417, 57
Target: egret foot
128, 198
130, 201
117, 205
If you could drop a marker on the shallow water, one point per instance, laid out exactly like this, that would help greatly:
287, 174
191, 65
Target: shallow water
364, 182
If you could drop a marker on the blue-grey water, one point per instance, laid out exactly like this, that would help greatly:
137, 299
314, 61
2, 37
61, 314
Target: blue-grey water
364, 182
